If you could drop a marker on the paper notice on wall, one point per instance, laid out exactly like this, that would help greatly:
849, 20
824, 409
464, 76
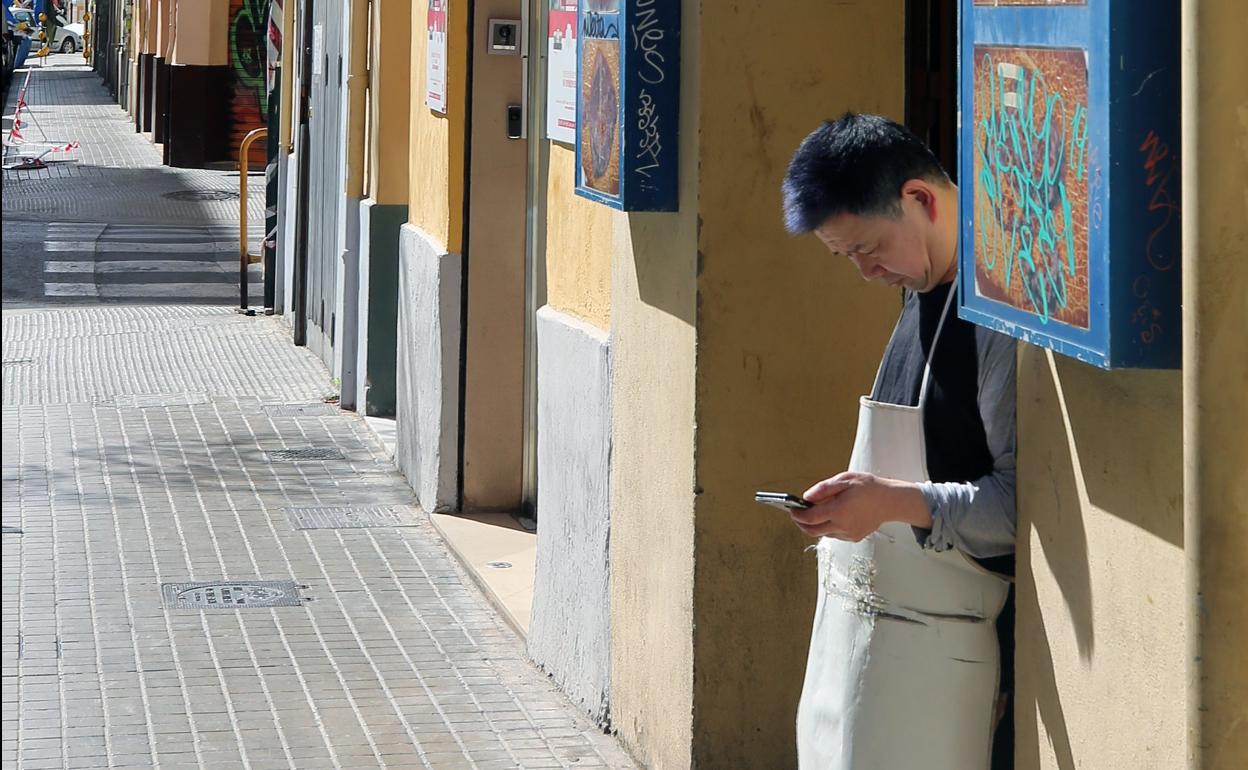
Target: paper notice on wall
561, 71
435, 57
318, 50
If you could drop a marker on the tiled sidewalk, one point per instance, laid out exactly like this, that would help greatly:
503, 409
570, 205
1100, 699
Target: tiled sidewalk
141, 448
116, 174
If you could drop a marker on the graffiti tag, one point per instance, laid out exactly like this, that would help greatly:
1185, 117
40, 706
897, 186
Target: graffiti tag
1159, 167
1030, 145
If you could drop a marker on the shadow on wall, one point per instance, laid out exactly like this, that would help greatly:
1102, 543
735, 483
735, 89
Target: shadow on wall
1091, 442
662, 280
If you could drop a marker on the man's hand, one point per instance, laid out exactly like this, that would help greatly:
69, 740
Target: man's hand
851, 505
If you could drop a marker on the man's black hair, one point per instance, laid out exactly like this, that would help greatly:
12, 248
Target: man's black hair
854, 165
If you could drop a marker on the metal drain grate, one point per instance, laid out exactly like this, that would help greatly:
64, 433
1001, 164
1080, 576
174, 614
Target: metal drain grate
301, 410
352, 517
149, 400
202, 195
232, 594
8, 530
308, 453
18, 361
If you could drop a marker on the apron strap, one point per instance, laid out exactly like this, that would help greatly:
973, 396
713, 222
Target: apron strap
927, 368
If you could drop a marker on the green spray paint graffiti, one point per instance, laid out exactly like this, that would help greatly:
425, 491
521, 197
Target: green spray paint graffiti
249, 98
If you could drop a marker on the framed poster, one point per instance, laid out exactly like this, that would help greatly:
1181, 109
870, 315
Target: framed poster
561, 71
628, 103
435, 56
1069, 202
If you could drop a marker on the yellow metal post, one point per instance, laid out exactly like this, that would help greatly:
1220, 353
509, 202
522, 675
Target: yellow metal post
245, 258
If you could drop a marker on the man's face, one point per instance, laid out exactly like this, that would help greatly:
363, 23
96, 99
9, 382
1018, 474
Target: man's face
891, 250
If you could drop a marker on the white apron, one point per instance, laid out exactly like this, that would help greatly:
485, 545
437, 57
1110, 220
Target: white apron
903, 665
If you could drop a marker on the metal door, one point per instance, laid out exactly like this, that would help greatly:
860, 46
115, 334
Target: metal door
325, 155
535, 15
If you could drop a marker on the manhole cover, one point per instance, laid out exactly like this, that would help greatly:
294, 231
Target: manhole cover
203, 195
352, 517
309, 453
300, 410
147, 400
231, 595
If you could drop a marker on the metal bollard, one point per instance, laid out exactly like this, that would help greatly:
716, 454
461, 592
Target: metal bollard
244, 258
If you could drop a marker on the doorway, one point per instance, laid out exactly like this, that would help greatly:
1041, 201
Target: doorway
320, 158
932, 77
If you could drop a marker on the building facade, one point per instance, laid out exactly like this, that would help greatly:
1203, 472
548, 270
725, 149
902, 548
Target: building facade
630, 378
191, 74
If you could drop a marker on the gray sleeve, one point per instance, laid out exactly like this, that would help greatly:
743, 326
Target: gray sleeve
979, 517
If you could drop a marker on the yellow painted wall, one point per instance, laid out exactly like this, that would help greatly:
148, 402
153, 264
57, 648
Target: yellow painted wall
1215, 360
151, 26
1100, 667
493, 426
653, 350
436, 158
390, 102
164, 28
201, 29
356, 85
653, 311
578, 245
788, 338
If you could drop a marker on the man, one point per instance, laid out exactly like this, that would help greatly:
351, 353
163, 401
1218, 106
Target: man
941, 465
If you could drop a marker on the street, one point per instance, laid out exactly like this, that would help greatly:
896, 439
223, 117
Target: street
206, 563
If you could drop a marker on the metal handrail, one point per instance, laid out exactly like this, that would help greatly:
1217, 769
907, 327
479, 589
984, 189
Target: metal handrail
245, 259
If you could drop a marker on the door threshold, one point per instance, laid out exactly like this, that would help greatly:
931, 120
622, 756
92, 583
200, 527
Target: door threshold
501, 557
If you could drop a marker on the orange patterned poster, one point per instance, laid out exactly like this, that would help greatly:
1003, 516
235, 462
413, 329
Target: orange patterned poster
600, 114
1030, 180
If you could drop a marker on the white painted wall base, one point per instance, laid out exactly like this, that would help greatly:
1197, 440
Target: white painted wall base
282, 257
427, 380
570, 633
363, 216
288, 170
346, 303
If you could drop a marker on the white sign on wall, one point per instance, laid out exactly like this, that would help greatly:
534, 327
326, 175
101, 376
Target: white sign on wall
318, 50
435, 57
561, 71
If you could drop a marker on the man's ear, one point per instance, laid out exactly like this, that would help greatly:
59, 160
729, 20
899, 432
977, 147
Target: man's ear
921, 193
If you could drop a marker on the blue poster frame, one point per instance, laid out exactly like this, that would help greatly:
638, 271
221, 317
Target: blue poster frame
1132, 88
648, 96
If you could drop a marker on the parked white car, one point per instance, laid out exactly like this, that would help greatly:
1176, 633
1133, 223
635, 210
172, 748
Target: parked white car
68, 38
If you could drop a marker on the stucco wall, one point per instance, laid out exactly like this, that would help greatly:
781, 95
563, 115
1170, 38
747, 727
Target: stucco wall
164, 27
427, 377
390, 102
1215, 362
578, 245
652, 484
1100, 666
288, 173
570, 631
494, 372
436, 157
202, 32
652, 312
788, 338
149, 32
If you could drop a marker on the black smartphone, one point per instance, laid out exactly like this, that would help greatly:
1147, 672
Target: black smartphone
781, 500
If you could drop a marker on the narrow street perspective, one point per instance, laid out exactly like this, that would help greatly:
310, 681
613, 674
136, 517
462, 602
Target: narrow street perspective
206, 563
665, 384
